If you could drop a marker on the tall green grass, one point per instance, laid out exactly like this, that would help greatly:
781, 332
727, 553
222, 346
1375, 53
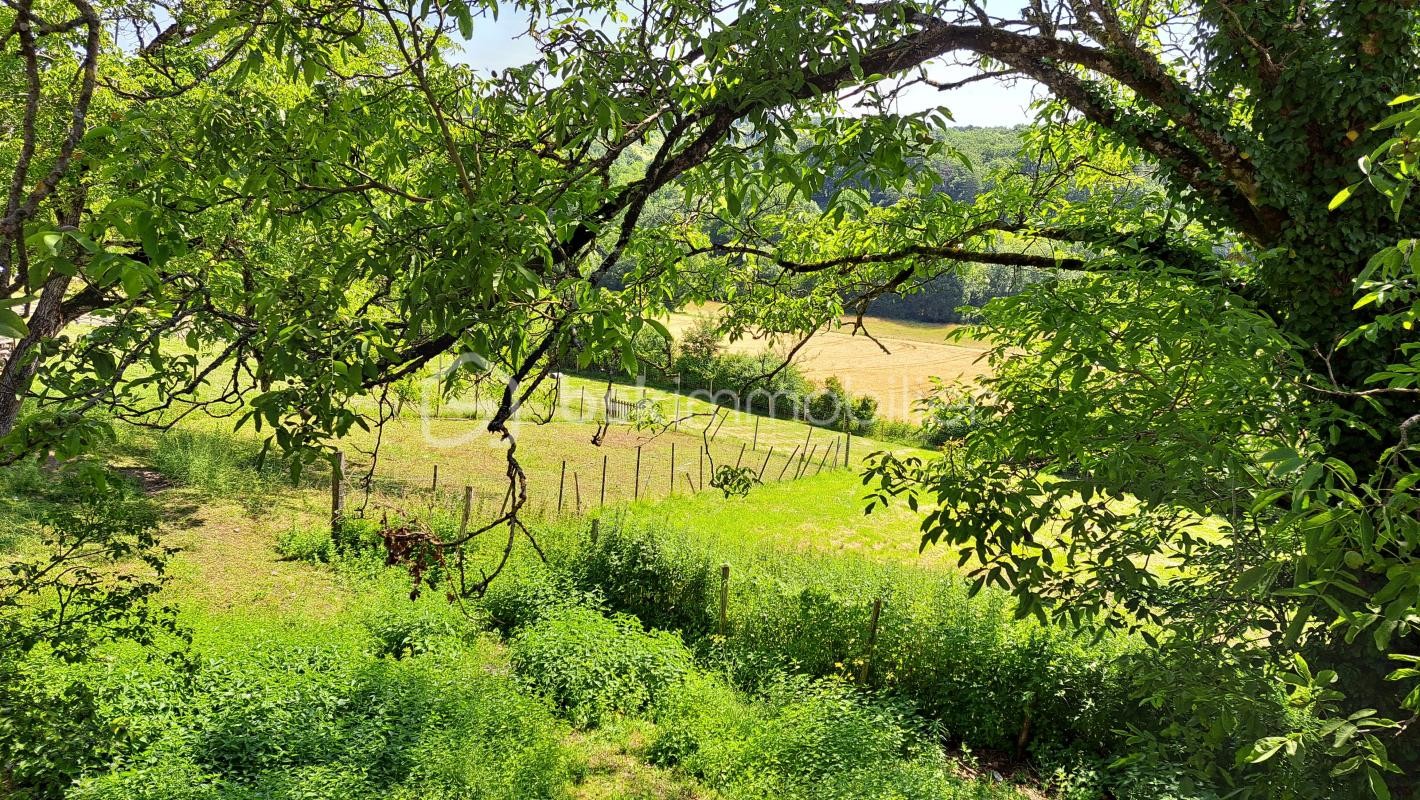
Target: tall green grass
794, 738
404, 699
984, 678
809, 739
208, 457
272, 710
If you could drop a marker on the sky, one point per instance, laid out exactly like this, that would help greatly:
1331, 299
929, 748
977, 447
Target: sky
497, 45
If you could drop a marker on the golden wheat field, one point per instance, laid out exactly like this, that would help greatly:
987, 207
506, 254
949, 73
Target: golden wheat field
897, 369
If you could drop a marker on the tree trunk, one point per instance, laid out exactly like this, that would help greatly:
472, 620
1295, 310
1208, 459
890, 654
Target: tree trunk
19, 371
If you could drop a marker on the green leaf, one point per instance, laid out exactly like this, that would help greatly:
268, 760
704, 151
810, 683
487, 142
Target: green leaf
1250, 579
133, 283
1342, 196
12, 324
1263, 749
461, 13
104, 364
1377, 783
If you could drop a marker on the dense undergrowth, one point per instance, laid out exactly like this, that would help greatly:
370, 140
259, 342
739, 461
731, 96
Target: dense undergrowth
402, 699
962, 668
483, 699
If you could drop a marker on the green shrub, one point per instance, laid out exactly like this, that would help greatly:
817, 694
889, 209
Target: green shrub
664, 585
358, 535
305, 543
896, 430
402, 627
174, 779
963, 661
51, 733
592, 666
833, 407
91, 579
303, 714
951, 414
804, 739
524, 596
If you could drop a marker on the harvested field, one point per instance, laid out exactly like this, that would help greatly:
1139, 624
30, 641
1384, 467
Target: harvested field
898, 371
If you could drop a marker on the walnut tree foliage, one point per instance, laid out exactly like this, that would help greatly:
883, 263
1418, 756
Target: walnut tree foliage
1202, 435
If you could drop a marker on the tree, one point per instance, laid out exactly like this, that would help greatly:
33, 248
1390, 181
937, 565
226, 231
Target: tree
450, 211
343, 204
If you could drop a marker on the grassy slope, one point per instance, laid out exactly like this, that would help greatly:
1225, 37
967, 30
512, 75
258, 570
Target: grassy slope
226, 522
823, 509
228, 577
817, 513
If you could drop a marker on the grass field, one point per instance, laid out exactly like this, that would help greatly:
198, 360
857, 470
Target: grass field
897, 368
304, 638
817, 514
295, 638
822, 510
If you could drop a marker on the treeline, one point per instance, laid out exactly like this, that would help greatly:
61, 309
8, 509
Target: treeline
763, 384
948, 298
951, 298
759, 383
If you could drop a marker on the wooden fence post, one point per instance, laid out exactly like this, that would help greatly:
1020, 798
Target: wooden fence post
603, 501
337, 494
872, 642
848, 448
741, 456
702, 468
577, 492
582, 405
719, 426
804, 461
766, 463
689, 482
755, 446
636, 487
724, 596
434, 486
561, 486
672, 472
785, 468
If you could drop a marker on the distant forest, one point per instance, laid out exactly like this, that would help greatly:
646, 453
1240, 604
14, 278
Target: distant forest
950, 298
